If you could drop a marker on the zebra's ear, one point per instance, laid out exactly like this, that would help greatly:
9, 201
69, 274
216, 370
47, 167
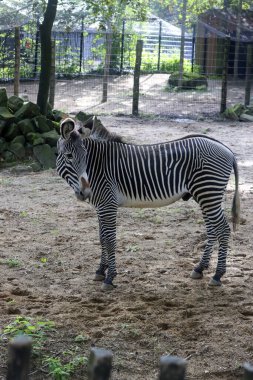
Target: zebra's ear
67, 127
86, 128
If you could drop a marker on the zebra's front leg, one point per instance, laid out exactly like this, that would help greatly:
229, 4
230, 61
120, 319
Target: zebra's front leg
107, 226
197, 272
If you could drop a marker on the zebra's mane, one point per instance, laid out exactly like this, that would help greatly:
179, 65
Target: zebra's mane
94, 129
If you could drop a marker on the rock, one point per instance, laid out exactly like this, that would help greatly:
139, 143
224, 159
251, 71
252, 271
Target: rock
45, 155
3, 97
15, 103
11, 131
26, 126
9, 156
2, 126
41, 124
51, 137
246, 117
190, 81
5, 114
82, 116
38, 141
31, 136
36, 167
28, 110
59, 115
18, 150
19, 139
3, 145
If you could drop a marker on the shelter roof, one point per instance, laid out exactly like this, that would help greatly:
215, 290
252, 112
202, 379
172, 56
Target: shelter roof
224, 23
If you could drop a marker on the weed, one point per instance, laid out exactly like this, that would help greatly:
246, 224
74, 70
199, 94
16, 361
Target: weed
10, 262
27, 326
62, 371
132, 248
23, 214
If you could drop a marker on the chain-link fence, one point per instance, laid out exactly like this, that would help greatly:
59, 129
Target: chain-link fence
80, 59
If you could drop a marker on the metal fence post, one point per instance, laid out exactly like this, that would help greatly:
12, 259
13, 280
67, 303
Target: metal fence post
100, 364
137, 71
20, 349
172, 368
159, 45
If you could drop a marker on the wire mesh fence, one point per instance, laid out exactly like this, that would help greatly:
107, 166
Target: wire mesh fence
80, 58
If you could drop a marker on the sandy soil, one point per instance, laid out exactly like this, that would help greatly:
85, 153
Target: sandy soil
156, 309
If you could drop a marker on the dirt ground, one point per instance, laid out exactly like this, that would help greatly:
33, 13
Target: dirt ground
157, 308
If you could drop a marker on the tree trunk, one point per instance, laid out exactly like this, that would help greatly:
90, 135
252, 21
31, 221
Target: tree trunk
238, 37
181, 62
46, 55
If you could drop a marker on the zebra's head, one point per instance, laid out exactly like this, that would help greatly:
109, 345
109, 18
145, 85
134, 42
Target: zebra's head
71, 162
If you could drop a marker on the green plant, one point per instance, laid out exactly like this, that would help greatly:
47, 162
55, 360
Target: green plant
132, 248
28, 326
62, 371
10, 262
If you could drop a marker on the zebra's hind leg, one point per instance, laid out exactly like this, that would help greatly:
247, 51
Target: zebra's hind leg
197, 272
222, 231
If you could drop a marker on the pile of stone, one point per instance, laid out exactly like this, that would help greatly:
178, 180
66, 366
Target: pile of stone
190, 81
25, 134
239, 112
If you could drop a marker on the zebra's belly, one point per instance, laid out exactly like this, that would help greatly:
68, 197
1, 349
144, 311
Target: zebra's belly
140, 203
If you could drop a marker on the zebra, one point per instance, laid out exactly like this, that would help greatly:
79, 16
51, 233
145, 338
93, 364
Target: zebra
109, 173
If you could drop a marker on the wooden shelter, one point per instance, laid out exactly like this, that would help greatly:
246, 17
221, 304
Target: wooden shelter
212, 30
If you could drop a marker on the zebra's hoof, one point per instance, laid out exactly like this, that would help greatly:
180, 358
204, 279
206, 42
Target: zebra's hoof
99, 277
214, 282
196, 275
108, 287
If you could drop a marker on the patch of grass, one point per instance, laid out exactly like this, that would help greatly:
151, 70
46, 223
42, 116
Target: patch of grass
60, 366
62, 371
132, 248
10, 262
36, 329
23, 214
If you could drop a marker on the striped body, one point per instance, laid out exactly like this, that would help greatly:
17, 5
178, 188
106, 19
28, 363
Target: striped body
111, 174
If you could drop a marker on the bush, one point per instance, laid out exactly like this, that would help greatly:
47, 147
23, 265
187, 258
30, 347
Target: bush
168, 63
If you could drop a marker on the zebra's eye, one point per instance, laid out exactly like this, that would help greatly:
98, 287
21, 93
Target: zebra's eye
69, 156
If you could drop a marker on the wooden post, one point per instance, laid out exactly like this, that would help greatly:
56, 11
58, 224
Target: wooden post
248, 371
249, 73
52, 77
108, 43
172, 368
17, 61
137, 71
122, 47
100, 364
20, 349
224, 83
159, 46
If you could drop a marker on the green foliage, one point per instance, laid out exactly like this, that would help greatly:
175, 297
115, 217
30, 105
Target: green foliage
36, 329
62, 371
168, 63
10, 262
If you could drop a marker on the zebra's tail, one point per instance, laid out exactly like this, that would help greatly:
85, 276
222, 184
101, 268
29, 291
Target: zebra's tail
236, 199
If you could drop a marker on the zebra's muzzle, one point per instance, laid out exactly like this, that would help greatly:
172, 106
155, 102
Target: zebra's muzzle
85, 190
